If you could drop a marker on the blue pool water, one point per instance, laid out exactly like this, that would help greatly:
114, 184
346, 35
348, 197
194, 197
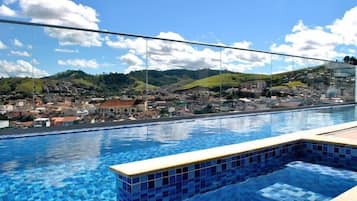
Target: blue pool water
75, 166
297, 181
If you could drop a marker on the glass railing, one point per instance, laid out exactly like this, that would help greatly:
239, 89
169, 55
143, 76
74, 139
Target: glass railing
56, 76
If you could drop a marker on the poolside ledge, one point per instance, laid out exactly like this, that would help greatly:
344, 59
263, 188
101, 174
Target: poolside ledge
180, 176
349, 195
167, 162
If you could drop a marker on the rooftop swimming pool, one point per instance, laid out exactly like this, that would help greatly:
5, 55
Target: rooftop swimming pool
75, 166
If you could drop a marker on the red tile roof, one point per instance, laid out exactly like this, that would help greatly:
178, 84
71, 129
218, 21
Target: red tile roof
25, 124
114, 103
56, 120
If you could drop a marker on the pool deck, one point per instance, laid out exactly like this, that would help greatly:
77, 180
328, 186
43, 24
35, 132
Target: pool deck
350, 195
348, 133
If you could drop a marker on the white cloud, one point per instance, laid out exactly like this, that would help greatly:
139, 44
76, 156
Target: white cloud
2, 45
6, 11
20, 68
79, 63
67, 37
321, 42
136, 44
346, 27
310, 42
164, 55
18, 43
242, 44
66, 13
239, 60
131, 59
66, 50
134, 62
170, 35
35, 62
20, 53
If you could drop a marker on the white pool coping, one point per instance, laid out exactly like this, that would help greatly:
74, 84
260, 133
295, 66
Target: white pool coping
167, 162
350, 195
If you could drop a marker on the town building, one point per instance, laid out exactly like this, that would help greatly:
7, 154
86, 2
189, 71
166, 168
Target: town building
121, 107
64, 121
256, 84
4, 124
41, 122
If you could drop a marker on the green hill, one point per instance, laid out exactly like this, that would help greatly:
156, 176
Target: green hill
27, 86
227, 80
71, 74
231, 79
20, 85
139, 86
79, 82
168, 77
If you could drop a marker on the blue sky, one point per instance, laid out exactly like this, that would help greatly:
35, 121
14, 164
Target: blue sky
317, 28
219, 21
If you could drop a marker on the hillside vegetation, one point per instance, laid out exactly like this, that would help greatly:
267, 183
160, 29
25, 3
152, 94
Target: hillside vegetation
227, 80
79, 82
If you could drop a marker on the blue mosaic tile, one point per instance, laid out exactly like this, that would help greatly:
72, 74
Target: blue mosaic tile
336, 156
184, 182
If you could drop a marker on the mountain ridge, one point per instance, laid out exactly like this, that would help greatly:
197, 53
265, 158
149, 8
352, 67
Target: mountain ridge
78, 81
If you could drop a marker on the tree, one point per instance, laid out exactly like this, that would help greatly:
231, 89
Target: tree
346, 59
353, 61
5, 88
350, 60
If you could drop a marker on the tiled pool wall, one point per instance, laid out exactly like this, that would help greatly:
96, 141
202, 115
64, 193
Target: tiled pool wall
334, 155
183, 182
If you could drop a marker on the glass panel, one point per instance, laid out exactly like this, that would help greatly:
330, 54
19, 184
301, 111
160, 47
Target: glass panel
245, 80
66, 77
281, 75
311, 80
19, 76
342, 84
122, 80
317, 78
78, 77
183, 79
298, 82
